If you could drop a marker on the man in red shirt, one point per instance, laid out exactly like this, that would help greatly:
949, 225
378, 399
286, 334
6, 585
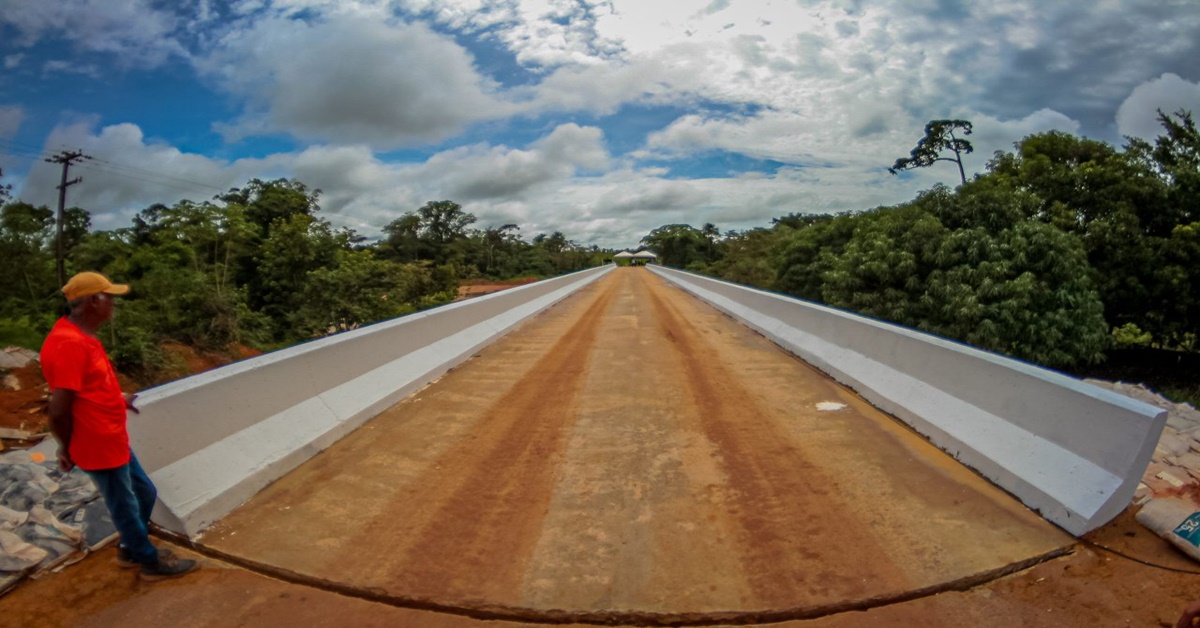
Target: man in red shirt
88, 416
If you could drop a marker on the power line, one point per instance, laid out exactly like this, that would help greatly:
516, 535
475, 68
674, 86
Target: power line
117, 169
142, 171
23, 152
23, 146
166, 181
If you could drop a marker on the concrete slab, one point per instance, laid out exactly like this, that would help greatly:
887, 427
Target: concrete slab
632, 454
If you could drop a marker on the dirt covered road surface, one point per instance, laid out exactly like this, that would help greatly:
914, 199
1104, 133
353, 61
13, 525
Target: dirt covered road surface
632, 456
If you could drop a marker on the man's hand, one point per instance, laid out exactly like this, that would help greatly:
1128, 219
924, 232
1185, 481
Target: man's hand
65, 464
1190, 615
129, 397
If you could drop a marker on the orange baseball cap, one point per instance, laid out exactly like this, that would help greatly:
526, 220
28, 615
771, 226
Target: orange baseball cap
87, 284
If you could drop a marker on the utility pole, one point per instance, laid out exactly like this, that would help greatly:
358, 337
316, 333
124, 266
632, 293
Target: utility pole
66, 158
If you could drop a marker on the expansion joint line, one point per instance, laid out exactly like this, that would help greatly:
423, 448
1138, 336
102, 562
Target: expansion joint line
613, 618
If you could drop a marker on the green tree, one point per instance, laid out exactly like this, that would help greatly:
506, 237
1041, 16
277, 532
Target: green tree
1175, 157
1113, 201
882, 270
76, 224
402, 239
562, 252
1018, 292
443, 227
939, 136
749, 258
808, 253
1013, 288
266, 202
5, 192
437, 232
200, 244
501, 244
297, 246
26, 234
679, 245
356, 290
1178, 283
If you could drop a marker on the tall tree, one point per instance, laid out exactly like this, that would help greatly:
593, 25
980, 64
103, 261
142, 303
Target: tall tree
402, 239
1175, 157
269, 201
939, 136
26, 234
443, 222
679, 245
1113, 201
498, 243
5, 192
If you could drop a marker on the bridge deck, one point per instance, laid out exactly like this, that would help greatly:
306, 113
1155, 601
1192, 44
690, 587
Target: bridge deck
634, 451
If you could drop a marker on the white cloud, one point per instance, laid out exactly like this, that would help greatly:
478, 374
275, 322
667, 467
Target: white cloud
68, 67
540, 33
10, 120
127, 173
135, 31
12, 61
498, 183
991, 134
1138, 115
833, 89
130, 173
615, 208
482, 172
352, 79
464, 15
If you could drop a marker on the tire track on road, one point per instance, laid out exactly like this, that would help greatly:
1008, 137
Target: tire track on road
475, 523
793, 534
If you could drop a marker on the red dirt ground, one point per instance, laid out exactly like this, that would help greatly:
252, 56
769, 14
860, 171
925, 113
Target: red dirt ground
478, 287
24, 408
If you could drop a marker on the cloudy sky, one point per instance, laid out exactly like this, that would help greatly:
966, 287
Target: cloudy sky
599, 118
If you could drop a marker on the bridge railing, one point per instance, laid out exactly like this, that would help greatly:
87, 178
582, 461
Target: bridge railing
1069, 450
213, 440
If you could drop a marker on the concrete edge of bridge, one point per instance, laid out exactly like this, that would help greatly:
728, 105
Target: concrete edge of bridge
213, 440
1071, 451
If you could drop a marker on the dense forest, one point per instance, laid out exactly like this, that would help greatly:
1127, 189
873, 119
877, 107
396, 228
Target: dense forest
256, 267
1065, 252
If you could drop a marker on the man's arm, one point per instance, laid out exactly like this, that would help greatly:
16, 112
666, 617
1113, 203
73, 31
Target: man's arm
62, 423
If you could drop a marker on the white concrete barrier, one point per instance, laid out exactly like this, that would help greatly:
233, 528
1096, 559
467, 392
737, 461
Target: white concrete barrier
213, 440
1069, 450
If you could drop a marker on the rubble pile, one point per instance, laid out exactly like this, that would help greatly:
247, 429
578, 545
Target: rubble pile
1174, 469
46, 516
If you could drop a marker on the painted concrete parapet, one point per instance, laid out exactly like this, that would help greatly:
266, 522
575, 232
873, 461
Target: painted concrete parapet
213, 440
1069, 450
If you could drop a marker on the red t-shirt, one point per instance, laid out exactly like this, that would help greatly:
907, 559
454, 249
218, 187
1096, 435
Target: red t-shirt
73, 360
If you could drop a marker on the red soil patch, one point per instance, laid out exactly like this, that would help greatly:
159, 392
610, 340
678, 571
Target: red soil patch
23, 407
479, 287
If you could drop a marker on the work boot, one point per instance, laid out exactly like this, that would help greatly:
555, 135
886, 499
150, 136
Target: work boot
168, 566
125, 559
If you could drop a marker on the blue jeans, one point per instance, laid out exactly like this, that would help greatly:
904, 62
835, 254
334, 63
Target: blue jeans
129, 495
